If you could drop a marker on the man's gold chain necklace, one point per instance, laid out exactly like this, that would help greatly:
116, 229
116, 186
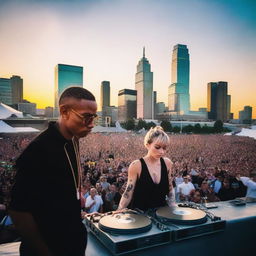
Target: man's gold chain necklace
77, 182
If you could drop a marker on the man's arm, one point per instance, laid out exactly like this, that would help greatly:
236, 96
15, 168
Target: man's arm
132, 178
27, 227
248, 182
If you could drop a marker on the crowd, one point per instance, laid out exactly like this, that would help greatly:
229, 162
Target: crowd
205, 167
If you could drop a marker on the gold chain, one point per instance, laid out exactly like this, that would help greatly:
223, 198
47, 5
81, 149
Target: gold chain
76, 183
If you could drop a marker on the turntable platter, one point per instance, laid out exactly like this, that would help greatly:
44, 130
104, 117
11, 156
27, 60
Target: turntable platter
182, 215
125, 223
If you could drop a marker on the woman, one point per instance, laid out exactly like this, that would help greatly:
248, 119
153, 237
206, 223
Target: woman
149, 178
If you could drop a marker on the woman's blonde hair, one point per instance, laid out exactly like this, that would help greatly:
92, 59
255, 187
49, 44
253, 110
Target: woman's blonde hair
156, 134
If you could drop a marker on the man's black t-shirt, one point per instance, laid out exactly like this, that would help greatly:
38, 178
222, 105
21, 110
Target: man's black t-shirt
45, 187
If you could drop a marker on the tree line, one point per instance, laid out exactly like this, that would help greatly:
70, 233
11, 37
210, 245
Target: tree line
167, 126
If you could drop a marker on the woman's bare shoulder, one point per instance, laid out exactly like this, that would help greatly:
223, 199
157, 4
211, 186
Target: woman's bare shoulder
135, 164
135, 168
168, 162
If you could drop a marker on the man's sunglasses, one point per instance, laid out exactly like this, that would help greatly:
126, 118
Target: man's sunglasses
86, 117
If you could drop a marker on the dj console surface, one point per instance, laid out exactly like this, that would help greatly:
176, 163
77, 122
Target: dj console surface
130, 231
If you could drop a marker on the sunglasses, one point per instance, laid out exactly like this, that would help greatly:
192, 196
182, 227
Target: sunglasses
86, 117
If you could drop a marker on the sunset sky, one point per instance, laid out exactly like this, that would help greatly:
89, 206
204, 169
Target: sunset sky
106, 37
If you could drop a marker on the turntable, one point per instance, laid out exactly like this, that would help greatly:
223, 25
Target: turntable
127, 232
189, 220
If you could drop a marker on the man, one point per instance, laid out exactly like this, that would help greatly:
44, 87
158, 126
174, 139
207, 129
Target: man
226, 192
103, 182
45, 205
185, 188
112, 198
93, 202
250, 183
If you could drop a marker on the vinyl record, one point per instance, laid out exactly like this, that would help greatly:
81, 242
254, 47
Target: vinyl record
125, 223
182, 215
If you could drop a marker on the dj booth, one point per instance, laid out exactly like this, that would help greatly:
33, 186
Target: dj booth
233, 234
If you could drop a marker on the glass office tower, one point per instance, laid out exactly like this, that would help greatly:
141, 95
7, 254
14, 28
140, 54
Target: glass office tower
5, 91
66, 76
217, 95
127, 104
105, 94
178, 91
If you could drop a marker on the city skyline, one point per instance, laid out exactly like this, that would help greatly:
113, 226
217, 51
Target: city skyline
106, 38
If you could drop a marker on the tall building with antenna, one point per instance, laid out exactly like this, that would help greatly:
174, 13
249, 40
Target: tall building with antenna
144, 87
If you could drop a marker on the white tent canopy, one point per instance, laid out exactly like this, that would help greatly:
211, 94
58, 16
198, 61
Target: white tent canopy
245, 132
99, 128
6, 112
118, 128
5, 128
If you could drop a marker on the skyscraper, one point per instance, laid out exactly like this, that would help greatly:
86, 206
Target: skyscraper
160, 107
245, 115
66, 76
5, 91
154, 103
105, 94
217, 100
178, 91
229, 114
11, 90
144, 87
127, 104
17, 89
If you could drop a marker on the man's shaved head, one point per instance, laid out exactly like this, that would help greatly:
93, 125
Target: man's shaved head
78, 93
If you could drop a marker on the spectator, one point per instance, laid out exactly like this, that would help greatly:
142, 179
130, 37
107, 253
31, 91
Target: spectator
185, 188
103, 182
196, 196
226, 192
93, 202
112, 198
208, 192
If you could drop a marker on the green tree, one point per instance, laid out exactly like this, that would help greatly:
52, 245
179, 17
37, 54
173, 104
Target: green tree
129, 124
207, 129
176, 129
197, 128
150, 124
166, 125
218, 126
141, 124
188, 128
